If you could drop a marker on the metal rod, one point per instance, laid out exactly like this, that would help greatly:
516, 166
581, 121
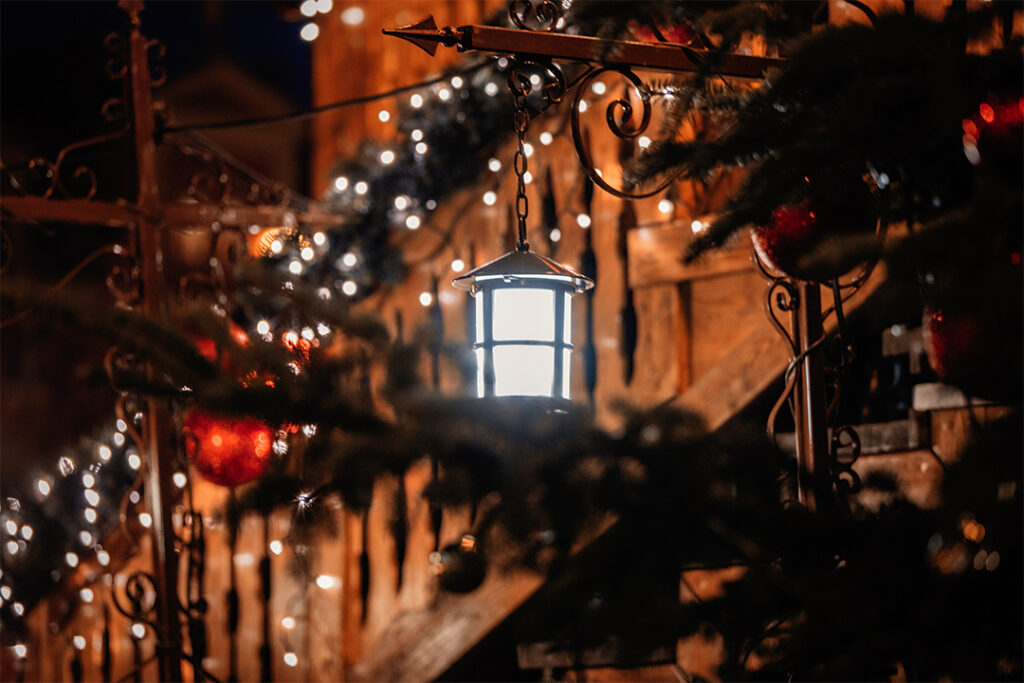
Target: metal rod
156, 427
813, 480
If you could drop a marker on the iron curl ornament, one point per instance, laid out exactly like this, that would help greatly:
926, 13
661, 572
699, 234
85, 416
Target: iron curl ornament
547, 15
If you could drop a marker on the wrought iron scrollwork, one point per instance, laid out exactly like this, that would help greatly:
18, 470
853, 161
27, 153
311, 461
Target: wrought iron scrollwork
619, 116
543, 16
844, 453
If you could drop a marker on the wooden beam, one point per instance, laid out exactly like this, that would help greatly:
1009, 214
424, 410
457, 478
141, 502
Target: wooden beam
82, 211
751, 366
263, 215
656, 256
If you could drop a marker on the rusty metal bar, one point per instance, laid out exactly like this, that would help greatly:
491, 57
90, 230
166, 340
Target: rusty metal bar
559, 46
157, 424
813, 478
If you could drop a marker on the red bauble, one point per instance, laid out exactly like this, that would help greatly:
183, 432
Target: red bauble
792, 234
207, 347
976, 351
229, 451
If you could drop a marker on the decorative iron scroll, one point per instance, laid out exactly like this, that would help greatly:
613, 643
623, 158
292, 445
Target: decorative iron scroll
619, 116
547, 15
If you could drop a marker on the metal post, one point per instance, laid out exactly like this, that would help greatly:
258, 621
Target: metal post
156, 428
813, 479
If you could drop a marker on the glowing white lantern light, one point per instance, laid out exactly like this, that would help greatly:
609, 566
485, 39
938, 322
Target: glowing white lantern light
523, 324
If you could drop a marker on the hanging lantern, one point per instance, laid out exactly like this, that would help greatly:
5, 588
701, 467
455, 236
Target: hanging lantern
523, 324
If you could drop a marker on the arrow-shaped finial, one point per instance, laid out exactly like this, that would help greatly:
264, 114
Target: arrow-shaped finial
423, 34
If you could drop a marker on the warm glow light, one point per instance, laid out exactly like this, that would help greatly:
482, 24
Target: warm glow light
353, 16
644, 142
416, 101
288, 623
92, 497
26, 532
349, 287
362, 187
421, 148
555, 235
599, 88
20, 651
325, 582
43, 487
341, 183
78, 642
11, 526
665, 206
349, 259
118, 439
416, 134
444, 94
401, 202
583, 220
324, 6
546, 138
12, 547
458, 265
309, 32
86, 595
307, 253
456, 82
104, 453
138, 630
5, 591
295, 267
263, 327
179, 479
583, 105
319, 239
71, 559
276, 547
528, 149
426, 298
412, 222
696, 226
490, 198
384, 115
291, 659
387, 156
491, 89
90, 515
85, 537
145, 519
527, 177
494, 164
88, 480
276, 247
103, 557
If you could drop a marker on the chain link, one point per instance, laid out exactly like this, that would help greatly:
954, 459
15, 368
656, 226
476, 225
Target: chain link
520, 87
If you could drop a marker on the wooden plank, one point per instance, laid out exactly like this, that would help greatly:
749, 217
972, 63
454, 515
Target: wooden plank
656, 256
917, 475
750, 366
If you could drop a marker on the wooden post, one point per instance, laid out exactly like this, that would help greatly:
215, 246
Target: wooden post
156, 428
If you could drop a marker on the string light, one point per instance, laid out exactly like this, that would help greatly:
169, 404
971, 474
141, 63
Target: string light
341, 183
494, 164
527, 177
644, 142
134, 461
118, 439
401, 202
456, 82
309, 32
86, 595
12, 547
18, 608
426, 298
43, 487
387, 156
583, 106
5, 591
307, 254
325, 582
696, 226
179, 479
26, 532
555, 235
291, 659
88, 480
322, 329
458, 265
421, 148
362, 187
71, 559
349, 287
145, 519
104, 453
583, 220
276, 547
276, 247
90, 515
528, 149
138, 630
67, 466
11, 526
599, 88
491, 89
78, 642
490, 198
444, 94
308, 8
412, 222
20, 651
384, 115
349, 259
546, 138
416, 101
416, 134
103, 557
85, 537
288, 623
263, 327
134, 497
665, 206
319, 239
308, 334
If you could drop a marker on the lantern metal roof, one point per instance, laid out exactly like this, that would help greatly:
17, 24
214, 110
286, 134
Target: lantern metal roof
524, 266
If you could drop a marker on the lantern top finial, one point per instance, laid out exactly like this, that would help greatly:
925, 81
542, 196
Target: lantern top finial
523, 266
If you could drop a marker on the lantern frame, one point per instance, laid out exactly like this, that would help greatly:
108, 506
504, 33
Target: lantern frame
517, 271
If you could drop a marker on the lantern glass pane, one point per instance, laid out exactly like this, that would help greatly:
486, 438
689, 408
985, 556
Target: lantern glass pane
567, 320
566, 365
480, 389
523, 370
524, 313
480, 318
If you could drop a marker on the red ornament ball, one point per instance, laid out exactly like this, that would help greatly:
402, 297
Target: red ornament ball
792, 234
227, 450
207, 347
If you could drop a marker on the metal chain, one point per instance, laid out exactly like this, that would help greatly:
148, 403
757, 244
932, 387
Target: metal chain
519, 85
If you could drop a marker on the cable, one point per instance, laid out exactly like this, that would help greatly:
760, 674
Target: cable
309, 113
